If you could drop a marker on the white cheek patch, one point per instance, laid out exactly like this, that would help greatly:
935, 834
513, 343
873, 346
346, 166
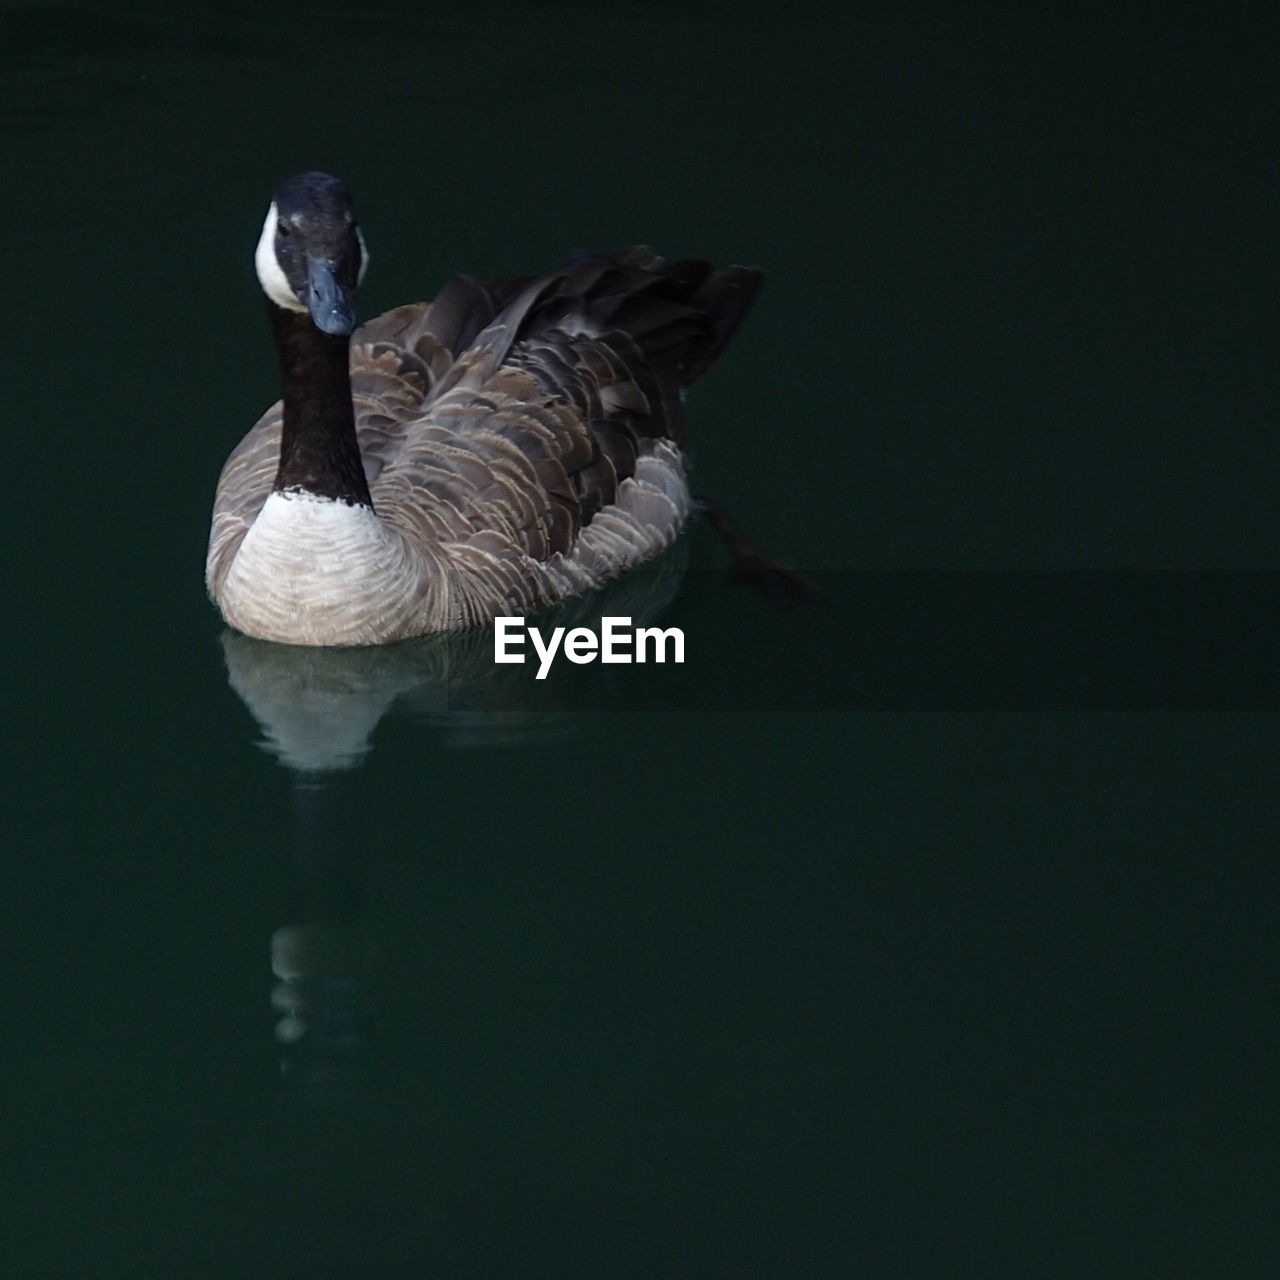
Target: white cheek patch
270, 276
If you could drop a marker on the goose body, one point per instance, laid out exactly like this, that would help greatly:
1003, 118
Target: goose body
492, 452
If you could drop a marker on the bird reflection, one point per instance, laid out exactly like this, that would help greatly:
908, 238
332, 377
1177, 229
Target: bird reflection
326, 967
318, 710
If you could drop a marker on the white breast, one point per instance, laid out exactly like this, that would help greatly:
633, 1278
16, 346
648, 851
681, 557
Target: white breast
319, 571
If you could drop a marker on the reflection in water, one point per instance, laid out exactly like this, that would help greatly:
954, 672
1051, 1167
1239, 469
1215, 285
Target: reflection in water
326, 967
318, 710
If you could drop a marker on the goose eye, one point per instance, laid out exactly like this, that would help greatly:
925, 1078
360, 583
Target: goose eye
282, 230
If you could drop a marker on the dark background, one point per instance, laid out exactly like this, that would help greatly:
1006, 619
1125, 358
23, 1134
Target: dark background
733, 986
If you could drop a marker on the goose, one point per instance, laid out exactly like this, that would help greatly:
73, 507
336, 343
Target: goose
490, 453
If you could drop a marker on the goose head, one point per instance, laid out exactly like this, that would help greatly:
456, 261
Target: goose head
311, 256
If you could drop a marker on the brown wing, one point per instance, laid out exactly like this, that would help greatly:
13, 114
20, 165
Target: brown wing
559, 382
487, 464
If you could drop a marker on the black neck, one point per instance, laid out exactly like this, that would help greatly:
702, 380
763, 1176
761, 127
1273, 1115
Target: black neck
319, 453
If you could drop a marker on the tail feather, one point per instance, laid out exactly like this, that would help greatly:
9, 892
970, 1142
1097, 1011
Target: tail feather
679, 316
725, 299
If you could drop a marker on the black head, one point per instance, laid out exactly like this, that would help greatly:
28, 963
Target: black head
311, 255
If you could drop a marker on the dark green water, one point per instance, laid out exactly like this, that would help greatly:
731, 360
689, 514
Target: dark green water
742, 969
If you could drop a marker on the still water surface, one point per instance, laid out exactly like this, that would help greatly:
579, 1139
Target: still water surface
383, 965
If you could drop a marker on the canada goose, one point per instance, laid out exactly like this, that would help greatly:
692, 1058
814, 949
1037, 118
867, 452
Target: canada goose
491, 452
